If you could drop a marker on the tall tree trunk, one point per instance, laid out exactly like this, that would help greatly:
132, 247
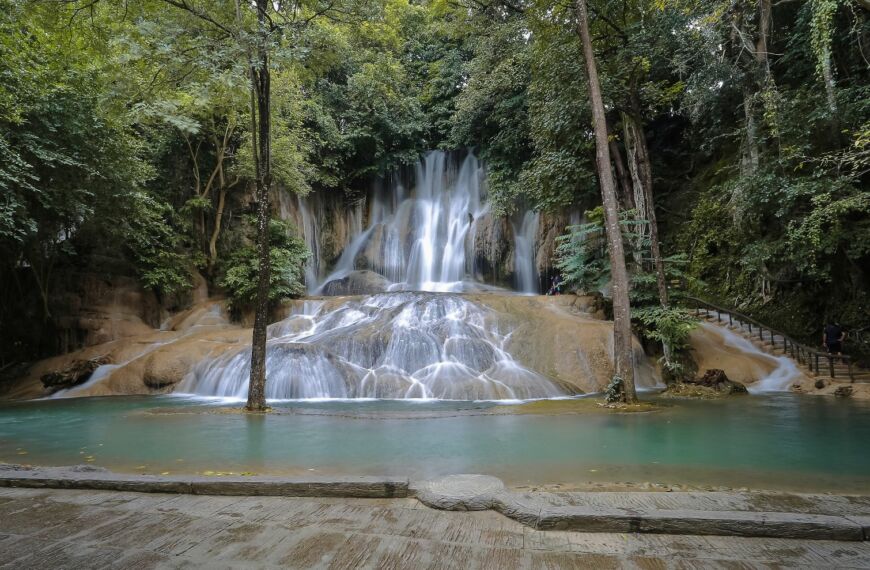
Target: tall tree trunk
644, 168
622, 348
626, 199
262, 88
751, 159
642, 165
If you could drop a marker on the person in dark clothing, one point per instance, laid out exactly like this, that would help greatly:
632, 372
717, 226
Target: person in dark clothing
556, 287
833, 338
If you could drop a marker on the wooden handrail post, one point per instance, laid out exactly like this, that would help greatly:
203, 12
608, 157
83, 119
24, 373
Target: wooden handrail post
851, 374
817, 364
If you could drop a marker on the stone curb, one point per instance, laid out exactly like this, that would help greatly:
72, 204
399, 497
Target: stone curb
477, 492
462, 493
97, 479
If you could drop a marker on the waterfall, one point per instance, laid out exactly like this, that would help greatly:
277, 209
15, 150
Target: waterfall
421, 240
393, 345
524, 254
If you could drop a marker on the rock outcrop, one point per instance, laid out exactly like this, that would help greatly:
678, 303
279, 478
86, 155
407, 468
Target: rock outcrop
75, 373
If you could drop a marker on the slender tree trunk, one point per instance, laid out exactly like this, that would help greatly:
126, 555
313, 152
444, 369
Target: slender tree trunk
643, 168
626, 199
262, 87
218, 219
622, 348
750, 161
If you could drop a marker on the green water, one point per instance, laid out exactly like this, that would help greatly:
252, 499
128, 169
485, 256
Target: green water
773, 442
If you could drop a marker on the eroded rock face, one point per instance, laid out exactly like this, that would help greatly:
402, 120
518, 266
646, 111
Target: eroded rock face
77, 372
362, 282
370, 348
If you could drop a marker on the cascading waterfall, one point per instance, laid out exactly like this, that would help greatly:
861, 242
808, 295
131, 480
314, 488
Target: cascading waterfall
420, 339
524, 253
423, 239
393, 345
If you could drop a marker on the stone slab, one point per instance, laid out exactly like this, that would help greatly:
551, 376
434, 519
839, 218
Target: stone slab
864, 521
643, 513
608, 512
98, 479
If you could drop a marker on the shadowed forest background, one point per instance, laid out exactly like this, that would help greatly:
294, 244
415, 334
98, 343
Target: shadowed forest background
125, 138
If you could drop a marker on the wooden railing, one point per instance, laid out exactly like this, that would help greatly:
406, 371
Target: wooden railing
815, 360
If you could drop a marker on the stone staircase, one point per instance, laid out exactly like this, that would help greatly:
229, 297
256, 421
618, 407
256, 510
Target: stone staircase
818, 363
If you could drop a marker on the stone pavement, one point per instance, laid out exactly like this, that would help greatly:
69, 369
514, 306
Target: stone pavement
50, 528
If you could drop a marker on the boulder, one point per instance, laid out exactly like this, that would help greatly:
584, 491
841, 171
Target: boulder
716, 379
363, 282
844, 392
76, 373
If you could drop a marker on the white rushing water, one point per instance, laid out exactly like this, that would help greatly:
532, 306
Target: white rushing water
779, 379
422, 238
394, 345
524, 253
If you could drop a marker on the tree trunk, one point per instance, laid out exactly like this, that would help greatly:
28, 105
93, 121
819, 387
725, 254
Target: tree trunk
218, 219
626, 200
750, 161
643, 167
622, 348
262, 87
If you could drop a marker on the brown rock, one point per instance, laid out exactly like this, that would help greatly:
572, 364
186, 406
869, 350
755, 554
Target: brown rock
717, 379
843, 392
76, 373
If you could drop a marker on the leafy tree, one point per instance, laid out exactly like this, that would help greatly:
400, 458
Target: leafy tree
287, 257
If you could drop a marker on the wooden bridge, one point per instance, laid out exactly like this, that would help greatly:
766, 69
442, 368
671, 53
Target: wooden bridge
839, 368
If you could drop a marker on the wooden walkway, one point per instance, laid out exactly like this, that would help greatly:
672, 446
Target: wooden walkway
817, 363
106, 529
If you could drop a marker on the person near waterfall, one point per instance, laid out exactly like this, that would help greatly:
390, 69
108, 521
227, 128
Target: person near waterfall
833, 338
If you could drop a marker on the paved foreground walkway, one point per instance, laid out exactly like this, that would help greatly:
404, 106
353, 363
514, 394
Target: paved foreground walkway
109, 529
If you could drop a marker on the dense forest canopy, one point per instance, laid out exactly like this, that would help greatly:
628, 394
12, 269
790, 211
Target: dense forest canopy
125, 136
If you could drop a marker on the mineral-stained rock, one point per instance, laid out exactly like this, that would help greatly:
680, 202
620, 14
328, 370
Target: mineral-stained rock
76, 373
819, 384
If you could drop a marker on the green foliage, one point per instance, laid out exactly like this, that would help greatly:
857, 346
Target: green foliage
615, 391
287, 256
157, 248
671, 326
581, 254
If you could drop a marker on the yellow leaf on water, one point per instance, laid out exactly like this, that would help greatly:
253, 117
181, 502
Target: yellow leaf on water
141, 467
208, 473
165, 473
22, 453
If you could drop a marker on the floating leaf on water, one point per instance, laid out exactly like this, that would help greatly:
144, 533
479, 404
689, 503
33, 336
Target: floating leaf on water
141, 467
22, 453
165, 473
247, 473
209, 473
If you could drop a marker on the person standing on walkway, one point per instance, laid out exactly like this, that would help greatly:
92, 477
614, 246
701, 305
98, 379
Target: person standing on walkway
833, 338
